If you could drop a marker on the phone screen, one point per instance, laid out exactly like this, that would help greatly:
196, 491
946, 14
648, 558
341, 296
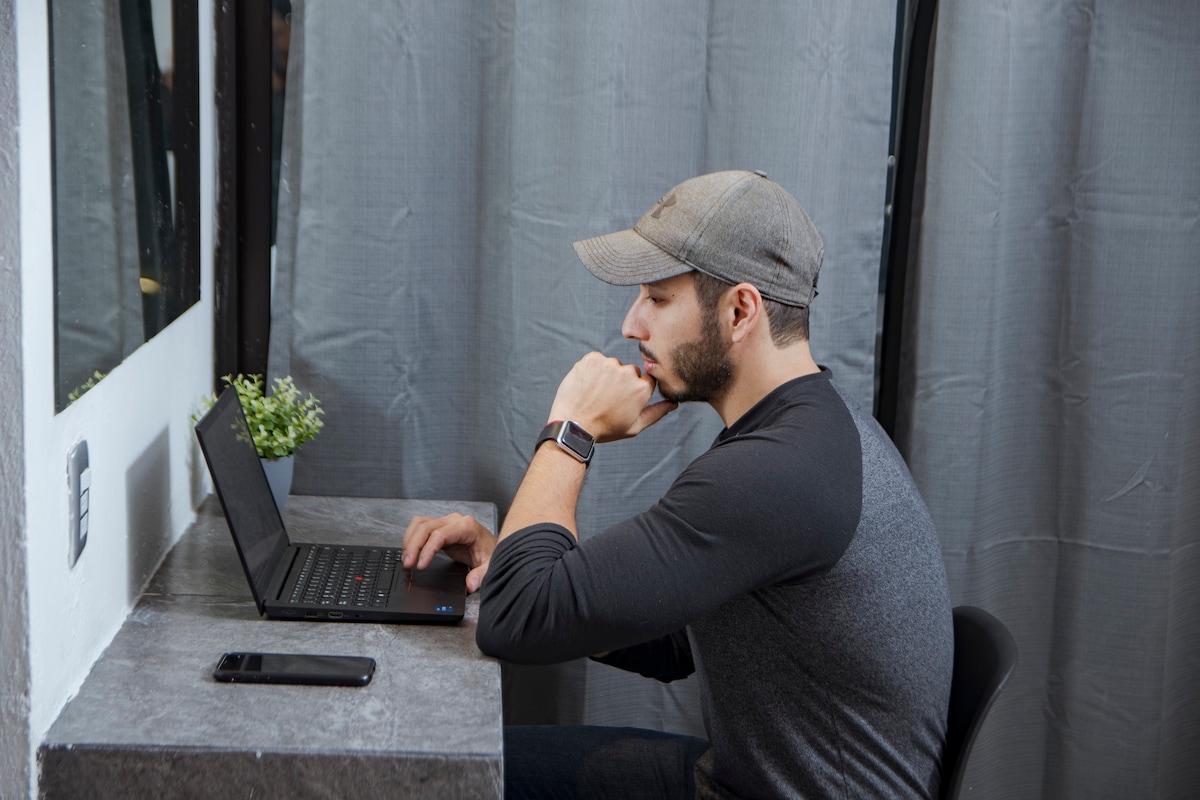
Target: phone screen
320, 670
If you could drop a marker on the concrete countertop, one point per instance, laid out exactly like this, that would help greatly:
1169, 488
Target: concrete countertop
150, 720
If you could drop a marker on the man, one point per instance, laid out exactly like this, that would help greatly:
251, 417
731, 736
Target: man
792, 566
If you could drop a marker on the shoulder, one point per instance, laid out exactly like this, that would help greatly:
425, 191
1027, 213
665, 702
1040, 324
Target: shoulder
807, 422
789, 478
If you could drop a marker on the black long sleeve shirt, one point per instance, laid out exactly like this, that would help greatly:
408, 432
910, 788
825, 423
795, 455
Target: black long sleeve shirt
794, 566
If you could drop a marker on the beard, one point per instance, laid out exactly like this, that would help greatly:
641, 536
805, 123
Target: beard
702, 367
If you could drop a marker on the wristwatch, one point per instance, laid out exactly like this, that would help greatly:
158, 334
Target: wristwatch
570, 437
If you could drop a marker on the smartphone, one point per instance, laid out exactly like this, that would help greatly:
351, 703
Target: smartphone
295, 668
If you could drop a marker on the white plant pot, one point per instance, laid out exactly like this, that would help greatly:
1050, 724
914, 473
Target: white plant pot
279, 476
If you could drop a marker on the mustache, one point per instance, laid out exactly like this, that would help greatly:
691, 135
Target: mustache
646, 354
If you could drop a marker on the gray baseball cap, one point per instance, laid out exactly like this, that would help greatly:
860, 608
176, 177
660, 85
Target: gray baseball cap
735, 226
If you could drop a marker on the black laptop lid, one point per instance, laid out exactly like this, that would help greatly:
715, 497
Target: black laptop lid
243, 490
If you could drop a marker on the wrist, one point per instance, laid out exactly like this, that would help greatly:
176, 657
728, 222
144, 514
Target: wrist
571, 437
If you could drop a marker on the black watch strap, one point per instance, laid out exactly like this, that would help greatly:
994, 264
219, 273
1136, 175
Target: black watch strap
570, 437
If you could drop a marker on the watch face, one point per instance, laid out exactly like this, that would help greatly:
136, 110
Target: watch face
578, 440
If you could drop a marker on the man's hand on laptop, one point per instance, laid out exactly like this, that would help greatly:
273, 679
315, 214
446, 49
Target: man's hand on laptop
460, 536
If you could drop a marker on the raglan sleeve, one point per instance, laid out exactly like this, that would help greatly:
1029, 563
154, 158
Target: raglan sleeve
729, 524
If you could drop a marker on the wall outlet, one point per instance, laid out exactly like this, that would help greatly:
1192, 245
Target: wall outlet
79, 483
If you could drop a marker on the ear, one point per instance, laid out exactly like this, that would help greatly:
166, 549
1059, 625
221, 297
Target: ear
747, 306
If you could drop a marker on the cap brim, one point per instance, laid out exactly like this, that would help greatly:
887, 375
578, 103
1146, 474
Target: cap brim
624, 258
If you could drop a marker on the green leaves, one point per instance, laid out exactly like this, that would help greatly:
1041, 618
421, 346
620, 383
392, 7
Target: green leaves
280, 421
90, 383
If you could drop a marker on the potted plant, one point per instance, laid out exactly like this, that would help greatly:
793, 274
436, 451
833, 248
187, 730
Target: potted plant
280, 422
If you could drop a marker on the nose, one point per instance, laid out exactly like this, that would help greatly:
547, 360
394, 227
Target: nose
632, 327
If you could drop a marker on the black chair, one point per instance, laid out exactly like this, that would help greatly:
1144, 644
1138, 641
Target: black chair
984, 657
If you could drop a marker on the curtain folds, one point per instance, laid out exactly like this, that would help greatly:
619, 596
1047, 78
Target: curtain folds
440, 158
438, 161
1053, 398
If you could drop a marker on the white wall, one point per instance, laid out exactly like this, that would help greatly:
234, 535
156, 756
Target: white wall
146, 476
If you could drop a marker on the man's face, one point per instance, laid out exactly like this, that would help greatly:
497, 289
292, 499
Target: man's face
679, 340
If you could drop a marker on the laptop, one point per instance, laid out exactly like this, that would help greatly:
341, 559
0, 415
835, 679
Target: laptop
326, 582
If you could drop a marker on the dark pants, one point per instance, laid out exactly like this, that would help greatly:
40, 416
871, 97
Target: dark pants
587, 761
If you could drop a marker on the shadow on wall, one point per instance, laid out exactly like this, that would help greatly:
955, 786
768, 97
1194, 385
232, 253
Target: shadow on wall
148, 509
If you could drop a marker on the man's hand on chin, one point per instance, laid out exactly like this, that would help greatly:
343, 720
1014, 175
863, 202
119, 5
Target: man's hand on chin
608, 399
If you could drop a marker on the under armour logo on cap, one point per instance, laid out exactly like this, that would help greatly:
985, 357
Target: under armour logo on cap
662, 205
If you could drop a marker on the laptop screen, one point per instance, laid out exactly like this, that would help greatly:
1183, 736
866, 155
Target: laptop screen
243, 490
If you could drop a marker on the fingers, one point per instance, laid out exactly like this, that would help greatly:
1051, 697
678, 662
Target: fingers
475, 577
605, 396
652, 414
461, 536
423, 539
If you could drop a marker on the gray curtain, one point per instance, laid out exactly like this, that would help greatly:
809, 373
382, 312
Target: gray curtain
1053, 418
438, 161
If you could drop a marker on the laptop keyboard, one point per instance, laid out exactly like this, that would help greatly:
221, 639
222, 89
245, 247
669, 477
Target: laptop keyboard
338, 576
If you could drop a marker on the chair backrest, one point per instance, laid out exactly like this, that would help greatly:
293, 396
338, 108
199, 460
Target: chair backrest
984, 657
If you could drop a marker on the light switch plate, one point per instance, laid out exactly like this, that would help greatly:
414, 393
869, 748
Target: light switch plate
79, 484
